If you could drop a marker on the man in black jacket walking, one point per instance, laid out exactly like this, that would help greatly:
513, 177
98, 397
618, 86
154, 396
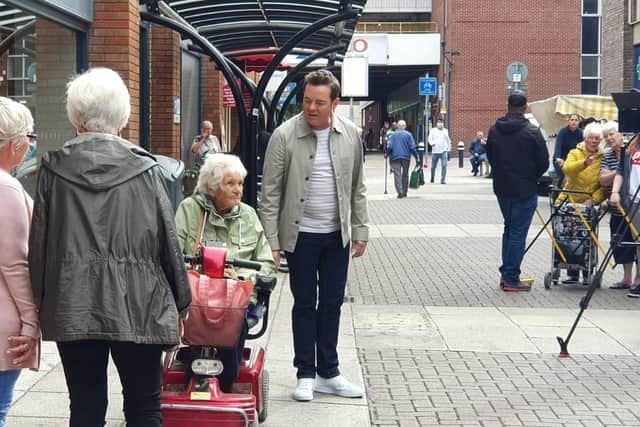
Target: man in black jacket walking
518, 156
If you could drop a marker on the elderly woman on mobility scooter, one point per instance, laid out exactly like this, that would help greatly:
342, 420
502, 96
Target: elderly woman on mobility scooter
582, 172
229, 223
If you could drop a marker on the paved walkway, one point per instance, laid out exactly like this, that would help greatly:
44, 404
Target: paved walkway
430, 334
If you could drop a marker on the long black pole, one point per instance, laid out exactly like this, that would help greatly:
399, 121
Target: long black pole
249, 151
291, 75
597, 277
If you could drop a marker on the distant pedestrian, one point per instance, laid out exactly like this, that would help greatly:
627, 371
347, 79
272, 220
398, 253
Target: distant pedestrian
566, 140
440, 142
477, 153
518, 156
383, 136
400, 149
205, 143
106, 270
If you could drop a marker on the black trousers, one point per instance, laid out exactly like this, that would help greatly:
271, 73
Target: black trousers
622, 255
140, 370
317, 276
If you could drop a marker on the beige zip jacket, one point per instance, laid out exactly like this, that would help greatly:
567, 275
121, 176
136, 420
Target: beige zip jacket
285, 182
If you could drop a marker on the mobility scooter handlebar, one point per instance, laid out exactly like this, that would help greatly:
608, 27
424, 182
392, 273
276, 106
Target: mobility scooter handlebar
242, 263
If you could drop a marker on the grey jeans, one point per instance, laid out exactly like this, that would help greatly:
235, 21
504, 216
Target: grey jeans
400, 170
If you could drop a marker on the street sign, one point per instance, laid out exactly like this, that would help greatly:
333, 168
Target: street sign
428, 86
517, 72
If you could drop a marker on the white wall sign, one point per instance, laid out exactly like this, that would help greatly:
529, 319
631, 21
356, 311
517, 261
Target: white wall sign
373, 46
355, 76
397, 49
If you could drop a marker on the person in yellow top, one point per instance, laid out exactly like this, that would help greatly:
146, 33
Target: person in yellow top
582, 168
582, 172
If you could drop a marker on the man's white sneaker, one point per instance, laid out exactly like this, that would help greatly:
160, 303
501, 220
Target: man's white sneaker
304, 390
340, 386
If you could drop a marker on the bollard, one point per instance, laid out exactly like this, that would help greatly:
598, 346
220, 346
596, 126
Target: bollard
461, 154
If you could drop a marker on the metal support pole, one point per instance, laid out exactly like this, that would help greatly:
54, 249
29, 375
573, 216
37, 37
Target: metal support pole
450, 63
351, 109
219, 59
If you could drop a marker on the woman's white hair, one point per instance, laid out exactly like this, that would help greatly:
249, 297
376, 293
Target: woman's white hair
215, 167
610, 126
593, 128
98, 101
15, 120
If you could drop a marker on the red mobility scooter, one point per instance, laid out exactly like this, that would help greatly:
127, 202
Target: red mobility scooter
199, 401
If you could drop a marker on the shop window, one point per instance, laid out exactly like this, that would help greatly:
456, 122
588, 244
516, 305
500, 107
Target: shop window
590, 86
590, 7
634, 11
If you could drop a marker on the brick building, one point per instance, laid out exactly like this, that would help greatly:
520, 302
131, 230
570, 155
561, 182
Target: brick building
544, 35
44, 43
618, 59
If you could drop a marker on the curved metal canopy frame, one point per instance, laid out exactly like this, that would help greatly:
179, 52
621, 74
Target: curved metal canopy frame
291, 75
218, 58
249, 152
24, 30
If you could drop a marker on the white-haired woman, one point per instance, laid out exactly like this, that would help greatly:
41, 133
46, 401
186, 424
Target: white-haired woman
619, 230
104, 257
229, 222
582, 172
19, 327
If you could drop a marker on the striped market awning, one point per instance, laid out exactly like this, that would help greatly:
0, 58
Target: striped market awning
598, 107
552, 113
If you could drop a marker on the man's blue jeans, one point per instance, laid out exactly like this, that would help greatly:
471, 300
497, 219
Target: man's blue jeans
317, 276
517, 216
7, 383
442, 157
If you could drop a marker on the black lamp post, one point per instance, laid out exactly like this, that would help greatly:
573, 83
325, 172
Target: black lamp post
449, 55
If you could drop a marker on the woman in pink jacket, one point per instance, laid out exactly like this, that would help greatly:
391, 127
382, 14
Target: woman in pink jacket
19, 327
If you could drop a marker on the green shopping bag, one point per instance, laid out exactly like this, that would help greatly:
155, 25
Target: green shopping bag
414, 179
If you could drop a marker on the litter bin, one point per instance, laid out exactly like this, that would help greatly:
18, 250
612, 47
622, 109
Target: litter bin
461, 154
172, 171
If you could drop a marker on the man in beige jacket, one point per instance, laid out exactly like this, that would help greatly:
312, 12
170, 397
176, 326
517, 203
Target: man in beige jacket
314, 207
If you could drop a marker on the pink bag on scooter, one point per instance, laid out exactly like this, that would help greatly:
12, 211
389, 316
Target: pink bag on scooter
217, 310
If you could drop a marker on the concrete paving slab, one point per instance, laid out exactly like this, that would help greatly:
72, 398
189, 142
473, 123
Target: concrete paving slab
621, 325
56, 405
523, 316
320, 414
49, 422
428, 340
584, 340
482, 230
397, 317
480, 329
400, 230
442, 230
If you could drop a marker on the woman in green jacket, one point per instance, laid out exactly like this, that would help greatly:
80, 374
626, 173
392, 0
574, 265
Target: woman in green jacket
229, 223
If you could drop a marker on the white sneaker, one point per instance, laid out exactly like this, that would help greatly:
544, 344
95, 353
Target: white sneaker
304, 390
340, 386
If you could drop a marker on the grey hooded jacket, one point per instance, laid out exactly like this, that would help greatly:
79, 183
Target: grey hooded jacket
104, 257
